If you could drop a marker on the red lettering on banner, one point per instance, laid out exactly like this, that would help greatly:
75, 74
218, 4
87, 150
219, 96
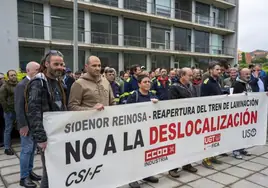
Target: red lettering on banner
172, 131
162, 133
212, 138
160, 152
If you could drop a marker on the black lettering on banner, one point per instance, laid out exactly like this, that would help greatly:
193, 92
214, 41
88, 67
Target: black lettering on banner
68, 183
138, 141
85, 174
249, 133
69, 150
76, 152
110, 145
93, 151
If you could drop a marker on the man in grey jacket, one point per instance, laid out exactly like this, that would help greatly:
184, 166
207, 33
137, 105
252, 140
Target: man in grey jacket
27, 176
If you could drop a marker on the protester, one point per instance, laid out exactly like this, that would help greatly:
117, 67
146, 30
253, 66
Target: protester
77, 75
68, 81
228, 82
240, 86
161, 85
211, 87
7, 101
45, 93
131, 84
143, 94
92, 90
173, 77
197, 81
110, 75
180, 90
28, 146
258, 83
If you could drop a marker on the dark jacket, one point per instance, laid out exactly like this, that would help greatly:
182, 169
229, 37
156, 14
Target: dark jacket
131, 84
40, 98
254, 83
116, 91
180, 91
20, 103
68, 81
160, 90
210, 87
136, 97
7, 96
241, 86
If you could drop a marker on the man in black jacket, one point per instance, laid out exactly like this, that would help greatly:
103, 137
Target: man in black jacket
211, 87
28, 145
45, 93
240, 86
180, 90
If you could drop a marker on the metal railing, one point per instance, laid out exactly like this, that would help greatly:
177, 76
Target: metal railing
88, 37
165, 11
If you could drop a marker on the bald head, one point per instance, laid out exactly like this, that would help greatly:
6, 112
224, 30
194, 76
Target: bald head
197, 74
245, 74
93, 66
172, 74
93, 59
185, 75
32, 68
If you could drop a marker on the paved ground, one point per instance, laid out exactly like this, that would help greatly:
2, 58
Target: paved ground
252, 172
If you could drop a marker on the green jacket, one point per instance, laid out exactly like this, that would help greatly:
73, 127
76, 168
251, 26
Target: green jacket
7, 96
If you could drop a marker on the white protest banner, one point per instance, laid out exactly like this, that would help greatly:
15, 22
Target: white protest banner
122, 144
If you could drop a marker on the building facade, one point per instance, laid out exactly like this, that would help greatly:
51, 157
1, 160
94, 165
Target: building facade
153, 33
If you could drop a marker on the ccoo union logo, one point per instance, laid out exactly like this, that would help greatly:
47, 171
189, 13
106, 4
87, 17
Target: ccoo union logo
248, 133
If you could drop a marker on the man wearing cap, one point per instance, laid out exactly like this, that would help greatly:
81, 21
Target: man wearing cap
68, 81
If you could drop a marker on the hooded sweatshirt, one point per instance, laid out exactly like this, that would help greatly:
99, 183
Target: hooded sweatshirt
86, 92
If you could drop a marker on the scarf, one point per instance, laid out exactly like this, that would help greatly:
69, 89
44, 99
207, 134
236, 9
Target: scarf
197, 82
162, 80
248, 87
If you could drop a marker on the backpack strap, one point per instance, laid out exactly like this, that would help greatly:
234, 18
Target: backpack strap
137, 95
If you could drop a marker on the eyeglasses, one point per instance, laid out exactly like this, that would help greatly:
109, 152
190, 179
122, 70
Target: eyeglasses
53, 52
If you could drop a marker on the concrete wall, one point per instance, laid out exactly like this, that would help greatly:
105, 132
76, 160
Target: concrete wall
9, 50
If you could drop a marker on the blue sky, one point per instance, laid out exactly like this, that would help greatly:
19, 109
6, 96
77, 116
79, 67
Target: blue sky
253, 27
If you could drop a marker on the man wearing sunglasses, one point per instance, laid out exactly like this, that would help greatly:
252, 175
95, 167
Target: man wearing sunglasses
45, 93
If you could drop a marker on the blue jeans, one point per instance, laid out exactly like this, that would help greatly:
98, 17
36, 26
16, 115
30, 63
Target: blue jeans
10, 117
28, 147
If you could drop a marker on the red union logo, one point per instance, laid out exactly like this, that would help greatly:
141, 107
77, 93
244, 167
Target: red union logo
212, 138
160, 152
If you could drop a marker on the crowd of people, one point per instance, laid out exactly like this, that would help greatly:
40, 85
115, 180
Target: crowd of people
50, 86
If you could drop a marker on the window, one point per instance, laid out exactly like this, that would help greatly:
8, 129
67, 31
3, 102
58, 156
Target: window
132, 59
27, 54
107, 2
183, 10
218, 17
183, 39
161, 7
62, 24
104, 29
201, 63
30, 20
183, 61
138, 5
69, 58
108, 59
217, 43
202, 13
134, 36
160, 37
201, 42
160, 61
